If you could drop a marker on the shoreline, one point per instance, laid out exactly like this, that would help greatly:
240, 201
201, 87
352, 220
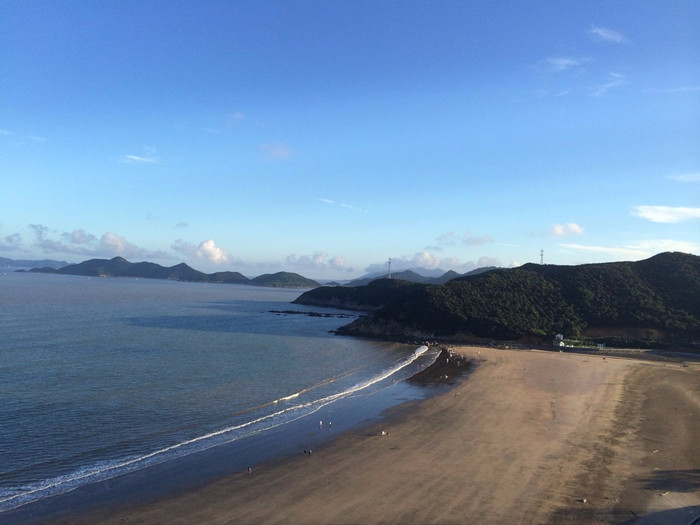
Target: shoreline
530, 437
192, 471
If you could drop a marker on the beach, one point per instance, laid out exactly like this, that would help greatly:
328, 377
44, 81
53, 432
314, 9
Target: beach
527, 437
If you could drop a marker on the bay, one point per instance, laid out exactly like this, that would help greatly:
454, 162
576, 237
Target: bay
103, 376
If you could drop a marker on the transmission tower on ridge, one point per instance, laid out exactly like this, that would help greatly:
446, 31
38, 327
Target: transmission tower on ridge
388, 274
541, 256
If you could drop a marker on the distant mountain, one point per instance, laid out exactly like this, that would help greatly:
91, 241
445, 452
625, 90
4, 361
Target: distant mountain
228, 278
26, 263
373, 296
120, 267
284, 280
418, 275
650, 301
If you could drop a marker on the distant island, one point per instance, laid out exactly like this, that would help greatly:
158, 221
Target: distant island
120, 267
651, 303
10, 264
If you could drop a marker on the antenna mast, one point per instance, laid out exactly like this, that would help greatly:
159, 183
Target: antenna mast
388, 275
541, 256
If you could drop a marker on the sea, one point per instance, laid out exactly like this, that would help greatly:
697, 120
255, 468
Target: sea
112, 383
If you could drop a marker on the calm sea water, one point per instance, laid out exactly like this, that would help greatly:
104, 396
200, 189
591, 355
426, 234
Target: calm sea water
103, 376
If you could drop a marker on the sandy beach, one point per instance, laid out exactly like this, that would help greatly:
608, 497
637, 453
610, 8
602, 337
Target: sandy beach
528, 437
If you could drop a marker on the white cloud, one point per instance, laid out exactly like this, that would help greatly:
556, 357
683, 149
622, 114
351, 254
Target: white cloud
615, 80
149, 157
426, 259
212, 253
563, 230
337, 263
112, 244
604, 34
84, 244
564, 63
136, 159
206, 250
468, 239
686, 177
317, 263
666, 214
340, 204
637, 249
276, 152
79, 237
430, 261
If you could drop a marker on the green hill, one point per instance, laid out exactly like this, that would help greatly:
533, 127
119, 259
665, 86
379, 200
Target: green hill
652, 299
120, 267
284, 280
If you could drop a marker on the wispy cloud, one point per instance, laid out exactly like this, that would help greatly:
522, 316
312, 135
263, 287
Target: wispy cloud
604, 34
234, 118
12, 242
345, 205
614, 80
681, 89
21, 139
686, 177
79, 242
136, 159
666, 214
564, 63
79, 236
317, 262
428, 260
447, 239
272, 152
148, 157
637, 249
564, 230
476, 240
468, 239
351, 207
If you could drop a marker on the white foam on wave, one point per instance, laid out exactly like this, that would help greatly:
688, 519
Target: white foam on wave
18, 496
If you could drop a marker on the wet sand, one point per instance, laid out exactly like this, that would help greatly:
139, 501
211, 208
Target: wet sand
528, 437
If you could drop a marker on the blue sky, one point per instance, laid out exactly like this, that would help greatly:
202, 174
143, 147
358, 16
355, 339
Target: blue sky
326, 137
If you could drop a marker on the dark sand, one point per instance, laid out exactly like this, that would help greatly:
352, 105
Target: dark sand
528, 437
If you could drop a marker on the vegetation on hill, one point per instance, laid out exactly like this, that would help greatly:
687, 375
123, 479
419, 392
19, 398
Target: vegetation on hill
31, 263
376, 294
120, 267
656, 298
415, 277
284, 280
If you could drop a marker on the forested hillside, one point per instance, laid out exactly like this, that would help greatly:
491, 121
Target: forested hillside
656, 298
